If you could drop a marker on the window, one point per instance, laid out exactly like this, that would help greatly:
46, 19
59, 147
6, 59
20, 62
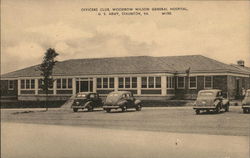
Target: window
193, 82
32, 84
127, 82
99, 82
10, 85
107, 82
134, 82
151, 82
111, 82
28, 84
121, 83
69, 83
180, 82
144, 82
157, 82
208, 82
22, 84
63, 83
170, 83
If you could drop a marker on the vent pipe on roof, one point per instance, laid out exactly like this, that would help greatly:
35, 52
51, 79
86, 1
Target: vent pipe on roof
241, 63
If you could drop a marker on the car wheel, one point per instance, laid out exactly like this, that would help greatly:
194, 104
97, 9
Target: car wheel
197, 111
75, 109
138, 108
244, 110
124, 108
90, 107
217, 110
107, 110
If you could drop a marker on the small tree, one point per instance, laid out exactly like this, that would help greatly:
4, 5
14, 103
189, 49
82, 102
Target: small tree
46, 68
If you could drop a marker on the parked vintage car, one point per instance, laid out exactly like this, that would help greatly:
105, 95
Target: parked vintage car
246, 102
121, 100
85, 100
211, 100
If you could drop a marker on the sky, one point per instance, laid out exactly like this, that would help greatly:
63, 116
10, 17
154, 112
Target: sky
215, 29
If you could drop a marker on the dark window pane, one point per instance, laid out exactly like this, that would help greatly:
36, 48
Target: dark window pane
105, 82
121, 83
158, 82
99, 82
134, 82
58, 83
22, 84
180, 82
144, 82
208, 81
151, 82
111, 82
27, 84
127, 82
11, 84
70, 83
32, 84
64, 83
192, 82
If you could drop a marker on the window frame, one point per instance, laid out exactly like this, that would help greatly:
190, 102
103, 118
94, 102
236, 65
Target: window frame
10, 82
178, 82
170, 81
211, 82
150, 86
24, 86
61, 84
189, 83
100, 85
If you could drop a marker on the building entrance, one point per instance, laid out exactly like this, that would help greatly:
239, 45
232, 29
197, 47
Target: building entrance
84, 85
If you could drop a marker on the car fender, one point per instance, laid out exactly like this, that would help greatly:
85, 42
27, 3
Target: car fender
137, 102
216, 102
87, 104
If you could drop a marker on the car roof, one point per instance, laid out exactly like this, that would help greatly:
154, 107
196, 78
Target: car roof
86, 93
210, 90
121, 92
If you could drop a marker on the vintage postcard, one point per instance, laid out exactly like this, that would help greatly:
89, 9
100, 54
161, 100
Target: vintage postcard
125, 79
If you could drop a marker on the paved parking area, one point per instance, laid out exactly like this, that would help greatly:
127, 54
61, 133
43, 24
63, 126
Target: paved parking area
160, 119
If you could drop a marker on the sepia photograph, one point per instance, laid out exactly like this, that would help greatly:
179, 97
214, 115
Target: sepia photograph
125, 79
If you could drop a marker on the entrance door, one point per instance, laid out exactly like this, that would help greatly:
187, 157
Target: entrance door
84, 85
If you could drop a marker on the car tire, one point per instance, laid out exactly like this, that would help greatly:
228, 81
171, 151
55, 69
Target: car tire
217, 110
75, 109
124, 108
245, 111
138, 108
197, 112
107, 110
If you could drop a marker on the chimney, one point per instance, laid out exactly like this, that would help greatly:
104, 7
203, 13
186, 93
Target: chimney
240, 63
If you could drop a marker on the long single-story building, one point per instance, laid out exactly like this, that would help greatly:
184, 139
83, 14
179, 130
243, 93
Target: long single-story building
178, 77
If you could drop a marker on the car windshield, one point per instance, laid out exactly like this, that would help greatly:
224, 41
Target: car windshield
206, 94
